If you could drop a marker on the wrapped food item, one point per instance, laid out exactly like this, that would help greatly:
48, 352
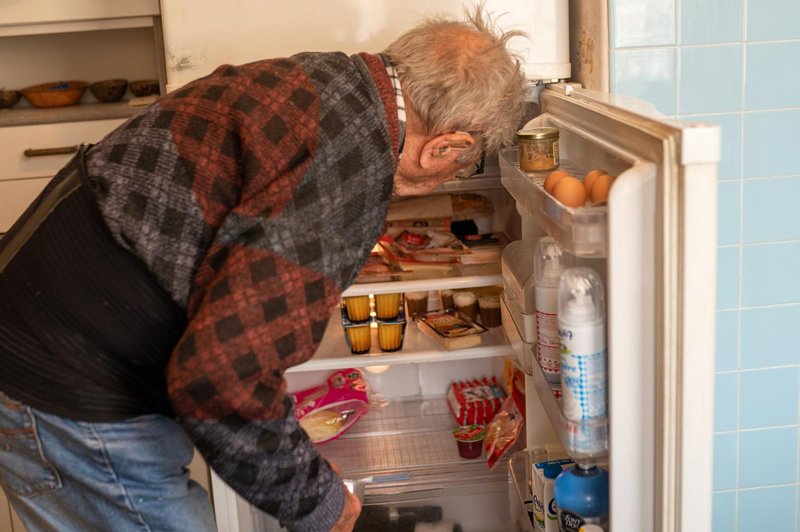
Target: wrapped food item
328, 410
475, 401
502, 432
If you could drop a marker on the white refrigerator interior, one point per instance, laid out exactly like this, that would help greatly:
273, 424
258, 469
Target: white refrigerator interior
653, 244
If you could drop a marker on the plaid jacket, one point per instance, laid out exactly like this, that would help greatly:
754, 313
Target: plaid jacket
254, 196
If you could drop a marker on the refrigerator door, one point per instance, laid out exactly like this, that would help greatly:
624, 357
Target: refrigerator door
656, 239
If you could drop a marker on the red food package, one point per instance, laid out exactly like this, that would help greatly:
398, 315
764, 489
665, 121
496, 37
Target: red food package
326, 411
475, 402
502, 432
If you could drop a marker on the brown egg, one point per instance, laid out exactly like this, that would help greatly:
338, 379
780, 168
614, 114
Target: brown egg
590, 178
601, 187
570, 192
553, 178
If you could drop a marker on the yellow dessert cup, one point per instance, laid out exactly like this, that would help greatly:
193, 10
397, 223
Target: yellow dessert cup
387, 306
390, 336
357, 308
359, 338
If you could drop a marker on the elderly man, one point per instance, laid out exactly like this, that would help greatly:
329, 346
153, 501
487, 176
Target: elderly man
154, 294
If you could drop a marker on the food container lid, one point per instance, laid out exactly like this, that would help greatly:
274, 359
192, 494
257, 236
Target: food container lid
469, 433
537, 133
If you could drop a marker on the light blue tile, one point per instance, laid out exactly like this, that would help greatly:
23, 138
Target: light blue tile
711, 21
727, 357
642, 23
770, 209
729, 220
764, 89
724, 513
727, 277
772, 20
770, 274
646, 74
726, 403
730, 165
767, 457
770, 143
725, 461
711, 79
768, 397
766, 334
766, 509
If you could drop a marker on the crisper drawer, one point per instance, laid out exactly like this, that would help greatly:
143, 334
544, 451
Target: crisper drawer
15, 140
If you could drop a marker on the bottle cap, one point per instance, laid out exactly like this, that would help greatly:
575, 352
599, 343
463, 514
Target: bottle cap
552, 470
580, 296
549, 261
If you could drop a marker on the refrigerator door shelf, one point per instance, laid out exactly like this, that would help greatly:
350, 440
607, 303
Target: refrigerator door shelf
524, 345
586, 439
333, 352
580, 231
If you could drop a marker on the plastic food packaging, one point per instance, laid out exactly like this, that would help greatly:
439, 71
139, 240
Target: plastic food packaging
475, 402
328, 410
470, 440
502, 432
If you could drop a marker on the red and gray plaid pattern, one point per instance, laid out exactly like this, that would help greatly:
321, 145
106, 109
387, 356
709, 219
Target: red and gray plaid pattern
255, 195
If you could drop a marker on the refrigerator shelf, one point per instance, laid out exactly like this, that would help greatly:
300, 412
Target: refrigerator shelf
333, 352
407, 446
454, 277
586, 439
580, 231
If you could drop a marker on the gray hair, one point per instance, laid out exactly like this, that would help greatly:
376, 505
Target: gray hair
460, 76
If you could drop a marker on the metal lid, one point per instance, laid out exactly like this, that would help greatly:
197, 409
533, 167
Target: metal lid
538, 133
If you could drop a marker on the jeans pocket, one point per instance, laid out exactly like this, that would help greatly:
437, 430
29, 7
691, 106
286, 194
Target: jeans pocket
24, 470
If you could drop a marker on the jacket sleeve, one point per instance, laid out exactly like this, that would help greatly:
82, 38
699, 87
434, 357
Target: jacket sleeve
259, 315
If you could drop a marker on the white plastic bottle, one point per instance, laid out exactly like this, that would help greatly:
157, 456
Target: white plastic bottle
582, 327
549, 264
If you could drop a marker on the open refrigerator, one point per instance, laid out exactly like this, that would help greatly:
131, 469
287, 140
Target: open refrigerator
653, 244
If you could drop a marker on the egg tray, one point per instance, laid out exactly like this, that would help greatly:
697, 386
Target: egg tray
581, 231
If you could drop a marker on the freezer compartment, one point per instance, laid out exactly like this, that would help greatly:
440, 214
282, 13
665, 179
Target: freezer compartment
581, 231
405, 456
580, 439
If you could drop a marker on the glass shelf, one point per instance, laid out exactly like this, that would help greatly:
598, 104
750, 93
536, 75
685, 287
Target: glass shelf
408, 445
454, 277
580, 231
333, 352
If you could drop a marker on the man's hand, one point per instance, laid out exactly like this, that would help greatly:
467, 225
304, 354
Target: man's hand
351, 510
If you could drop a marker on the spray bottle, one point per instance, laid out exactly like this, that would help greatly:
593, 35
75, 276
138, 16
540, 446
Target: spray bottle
549, 264
582, 327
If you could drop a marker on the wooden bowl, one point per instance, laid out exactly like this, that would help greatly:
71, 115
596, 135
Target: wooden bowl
144, 87
56, 94
109, 90
9, 98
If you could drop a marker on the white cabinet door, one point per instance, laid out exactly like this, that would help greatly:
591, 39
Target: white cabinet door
44, 11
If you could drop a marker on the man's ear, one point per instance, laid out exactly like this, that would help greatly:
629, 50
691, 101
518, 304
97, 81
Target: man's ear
443, 150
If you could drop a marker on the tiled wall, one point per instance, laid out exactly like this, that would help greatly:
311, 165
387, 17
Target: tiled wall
737, 63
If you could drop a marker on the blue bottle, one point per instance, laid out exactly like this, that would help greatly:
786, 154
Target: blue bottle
581, 494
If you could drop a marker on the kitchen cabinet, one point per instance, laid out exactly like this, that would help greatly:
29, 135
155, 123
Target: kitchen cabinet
43, 41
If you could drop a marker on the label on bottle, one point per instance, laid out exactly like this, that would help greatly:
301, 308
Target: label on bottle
583, 371
548, 348
572, 522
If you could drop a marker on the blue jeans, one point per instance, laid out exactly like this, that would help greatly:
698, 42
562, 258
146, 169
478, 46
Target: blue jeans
130, 475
